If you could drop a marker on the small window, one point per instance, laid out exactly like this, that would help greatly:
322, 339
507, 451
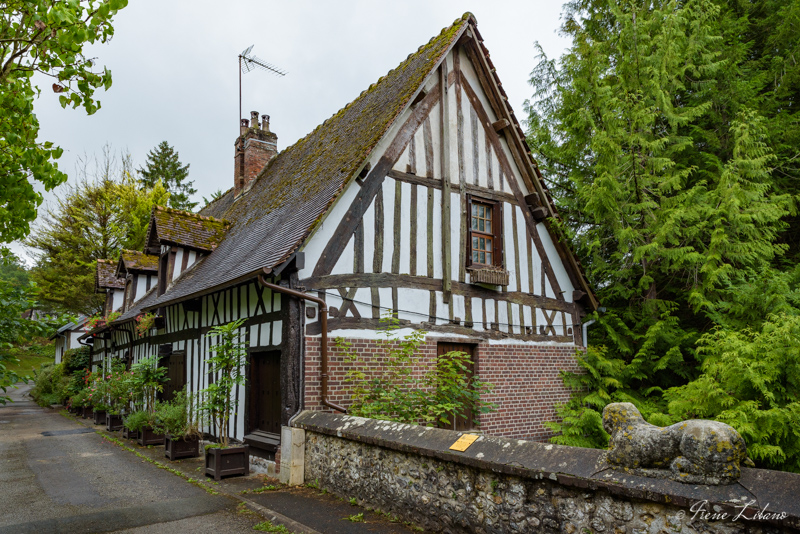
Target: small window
485, 237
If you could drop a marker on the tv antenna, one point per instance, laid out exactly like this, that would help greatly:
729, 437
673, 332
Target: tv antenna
248, 62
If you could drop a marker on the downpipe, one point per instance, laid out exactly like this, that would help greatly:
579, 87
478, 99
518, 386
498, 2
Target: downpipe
323, 318
585, 332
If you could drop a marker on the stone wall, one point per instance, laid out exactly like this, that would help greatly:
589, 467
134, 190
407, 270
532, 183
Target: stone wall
501, 485
526, 379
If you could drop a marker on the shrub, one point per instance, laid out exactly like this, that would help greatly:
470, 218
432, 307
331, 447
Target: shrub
139, 420
177, 417
384, 385
51, 386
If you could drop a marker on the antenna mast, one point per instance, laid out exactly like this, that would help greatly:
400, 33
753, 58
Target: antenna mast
249, 62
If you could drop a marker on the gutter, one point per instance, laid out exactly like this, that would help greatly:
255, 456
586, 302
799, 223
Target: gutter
323, 317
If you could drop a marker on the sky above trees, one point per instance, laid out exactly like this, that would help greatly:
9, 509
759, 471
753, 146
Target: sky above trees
176, 73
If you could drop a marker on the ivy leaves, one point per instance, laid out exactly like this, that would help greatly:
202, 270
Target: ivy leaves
48, 38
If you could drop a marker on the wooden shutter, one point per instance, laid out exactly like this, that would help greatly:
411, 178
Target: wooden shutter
497, 230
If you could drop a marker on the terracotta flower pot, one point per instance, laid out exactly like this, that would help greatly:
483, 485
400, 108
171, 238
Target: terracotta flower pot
181, 447
226, 462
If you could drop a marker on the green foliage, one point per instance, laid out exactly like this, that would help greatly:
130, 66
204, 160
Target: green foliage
138, 420
216, 195
163, 165
14, 329
226, 365
51, 385
657, 132
46, 38
386, 386
267, 526
751, 381
13, 271
177, 417
146, 380
77, 360
97, 216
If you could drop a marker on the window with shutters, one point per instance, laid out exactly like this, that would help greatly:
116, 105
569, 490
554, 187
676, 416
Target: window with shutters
485, 233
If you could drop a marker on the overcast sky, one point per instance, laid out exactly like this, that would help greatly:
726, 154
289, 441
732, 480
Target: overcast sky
175, 70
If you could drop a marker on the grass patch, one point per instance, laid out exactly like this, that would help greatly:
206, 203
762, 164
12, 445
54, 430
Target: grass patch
31, 355
259, 490
267, 526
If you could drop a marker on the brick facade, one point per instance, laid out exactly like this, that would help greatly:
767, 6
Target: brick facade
526, 379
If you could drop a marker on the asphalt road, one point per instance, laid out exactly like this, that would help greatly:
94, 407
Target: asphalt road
59, 476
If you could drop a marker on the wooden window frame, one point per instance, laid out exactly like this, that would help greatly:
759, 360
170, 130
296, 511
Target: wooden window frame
497, 232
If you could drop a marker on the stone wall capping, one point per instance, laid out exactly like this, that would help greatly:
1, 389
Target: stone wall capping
568, 466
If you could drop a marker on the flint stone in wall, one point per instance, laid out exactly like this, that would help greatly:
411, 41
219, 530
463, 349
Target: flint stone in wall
501, 485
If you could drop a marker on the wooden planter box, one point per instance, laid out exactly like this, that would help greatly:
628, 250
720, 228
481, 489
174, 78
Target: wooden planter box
100, 417
148, 437
113, 422
86, 412
226, 462
181, 448
129, 434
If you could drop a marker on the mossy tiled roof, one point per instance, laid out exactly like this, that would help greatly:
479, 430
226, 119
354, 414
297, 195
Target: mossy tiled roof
185, 229
295, 190
105, 277
133, 260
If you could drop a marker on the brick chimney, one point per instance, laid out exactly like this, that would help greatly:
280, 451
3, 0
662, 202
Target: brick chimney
255, 146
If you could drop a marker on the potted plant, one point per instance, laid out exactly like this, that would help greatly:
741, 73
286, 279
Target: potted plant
147, 379
177, 421
80, 403
223, 459
117, 394
98, 396
134, 423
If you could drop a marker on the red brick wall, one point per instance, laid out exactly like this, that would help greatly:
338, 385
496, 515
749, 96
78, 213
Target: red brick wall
526, 381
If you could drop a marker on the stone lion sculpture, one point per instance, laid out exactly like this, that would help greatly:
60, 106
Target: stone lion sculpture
695, 451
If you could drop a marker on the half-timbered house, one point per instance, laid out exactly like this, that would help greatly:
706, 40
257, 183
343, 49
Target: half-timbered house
419, 199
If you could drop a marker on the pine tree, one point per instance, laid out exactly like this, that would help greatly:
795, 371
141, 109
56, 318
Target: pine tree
163, 164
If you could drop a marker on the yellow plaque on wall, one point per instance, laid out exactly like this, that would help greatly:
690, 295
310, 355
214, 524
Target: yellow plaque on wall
464, 442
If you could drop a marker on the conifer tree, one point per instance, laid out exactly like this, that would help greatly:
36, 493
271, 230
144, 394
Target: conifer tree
163, 164
660, 159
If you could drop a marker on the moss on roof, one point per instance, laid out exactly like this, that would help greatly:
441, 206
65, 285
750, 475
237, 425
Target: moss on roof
133, 260
186, 229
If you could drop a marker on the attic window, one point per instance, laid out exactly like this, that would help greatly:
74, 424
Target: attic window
485, 233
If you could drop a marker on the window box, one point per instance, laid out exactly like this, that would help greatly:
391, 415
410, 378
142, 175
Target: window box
491, 276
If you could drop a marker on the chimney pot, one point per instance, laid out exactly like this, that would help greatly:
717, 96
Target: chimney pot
265, 122
243, 126
254, 119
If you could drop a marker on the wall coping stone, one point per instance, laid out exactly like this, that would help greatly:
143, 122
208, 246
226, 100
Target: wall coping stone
568, 466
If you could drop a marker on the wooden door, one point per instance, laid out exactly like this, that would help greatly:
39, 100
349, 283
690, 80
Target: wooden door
176, 374
462, 421
265, 392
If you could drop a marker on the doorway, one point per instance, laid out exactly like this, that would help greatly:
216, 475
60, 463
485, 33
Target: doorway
264, 400
462, 421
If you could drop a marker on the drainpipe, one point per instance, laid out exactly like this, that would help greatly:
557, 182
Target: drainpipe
585, 332
323, 318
